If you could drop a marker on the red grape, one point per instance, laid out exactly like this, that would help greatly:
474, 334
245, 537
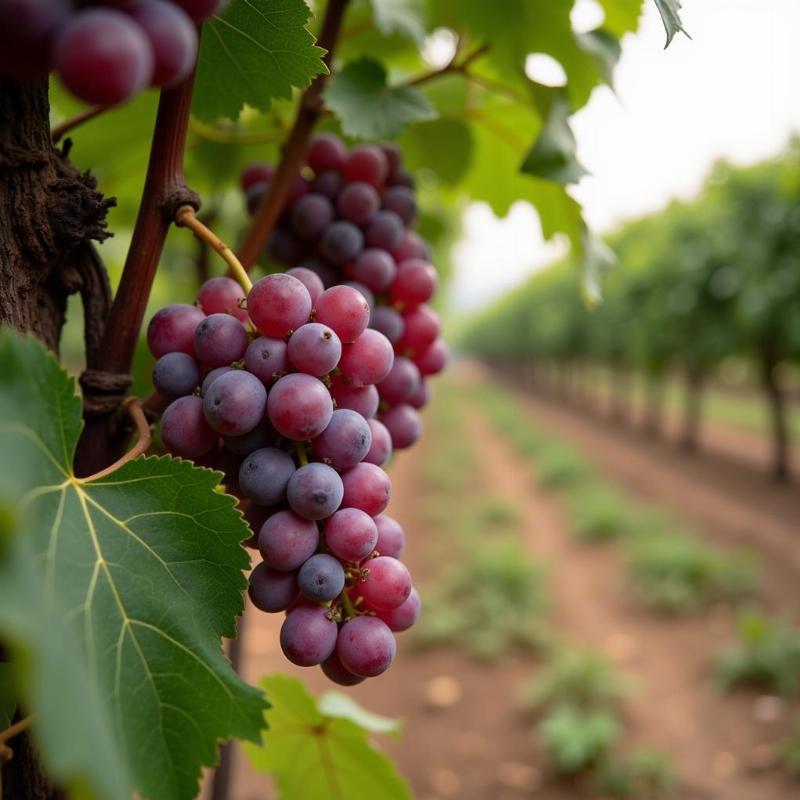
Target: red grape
184, 429
345, 310
222, 296
286, 540
308, 635
278, 304
381, 448
367, 487
367, 163
299, 406
366, 646
368, 360
325, 152
391, 539
351, 534
234, 404
387, 583
171, 330
345, 441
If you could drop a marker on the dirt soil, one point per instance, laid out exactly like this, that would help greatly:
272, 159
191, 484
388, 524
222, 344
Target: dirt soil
464, 734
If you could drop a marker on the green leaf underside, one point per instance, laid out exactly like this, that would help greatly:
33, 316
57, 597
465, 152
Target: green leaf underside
368, 108
399, 16
671, 17
314, 755
337, 704
553, 153
117, 591
254, 51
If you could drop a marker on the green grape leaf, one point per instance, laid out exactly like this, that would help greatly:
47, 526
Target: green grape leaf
399, 16
622, 16
670, 11
441, 145
553, 153
254, 51
337, 704
368, 108
116, 591
605, 48
314, 754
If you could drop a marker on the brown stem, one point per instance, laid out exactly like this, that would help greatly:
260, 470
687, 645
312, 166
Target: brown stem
164, 192
452, 66
134, 407
16, 728
269, 209
58, 133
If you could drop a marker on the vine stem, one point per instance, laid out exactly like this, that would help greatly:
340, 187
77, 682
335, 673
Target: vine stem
187, 218
58, 133
16, 728
164, 192
310, 108
134, 408
452, 66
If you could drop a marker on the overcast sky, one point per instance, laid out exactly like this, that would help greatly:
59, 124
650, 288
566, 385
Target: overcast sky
732, 92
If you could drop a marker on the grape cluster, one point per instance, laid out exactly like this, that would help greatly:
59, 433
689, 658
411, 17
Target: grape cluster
350, 218
104, 52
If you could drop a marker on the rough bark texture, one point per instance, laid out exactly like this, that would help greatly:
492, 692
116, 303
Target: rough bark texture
49, 212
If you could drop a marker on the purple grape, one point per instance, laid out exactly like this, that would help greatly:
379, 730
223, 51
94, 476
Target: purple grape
405, 615
264, 476
434, 359
387, 583
385, 230
286, 541
404, 425
415, 283
409, 246
328, 183
315, 491
325, 152
253, 196
219, 340
234, 404
421, 397
351, 534
321, 578
266, 358
422, 326
403, 178
381, 448
211, 377
366, 486
171, 330
103, 56
27, 31
334, 670
222, 296
394, 158
284, 247
341, 242
184, 429
366, 646
263, 435
308, 635
366, 162
258, 172
344, 310
368, 360
299, 406
358, 202
271, 590
310, 279
363, 399
391, 539
388, 322
401, 200
176, 375
278, 304
345, 441
310, 215
314, 349
199, 10
172, 36
375, 268
401, 382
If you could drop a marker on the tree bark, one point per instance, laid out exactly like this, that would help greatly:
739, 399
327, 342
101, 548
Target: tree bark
777, 411
692, 409
48, 213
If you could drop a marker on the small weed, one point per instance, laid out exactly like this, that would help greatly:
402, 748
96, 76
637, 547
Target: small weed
766, 655
559, 466
576, 677
599, 514
645, 774
577, 741
497, 512
676, 573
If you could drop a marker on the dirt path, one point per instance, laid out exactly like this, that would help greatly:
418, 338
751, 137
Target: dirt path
464, 736
716, 744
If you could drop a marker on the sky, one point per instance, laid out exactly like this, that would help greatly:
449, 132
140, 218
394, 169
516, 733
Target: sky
731, 92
